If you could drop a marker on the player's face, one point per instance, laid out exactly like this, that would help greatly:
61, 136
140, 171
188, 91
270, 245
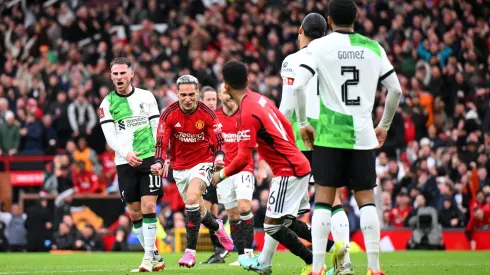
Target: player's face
187, 94
210, 99
121, 76
225, 97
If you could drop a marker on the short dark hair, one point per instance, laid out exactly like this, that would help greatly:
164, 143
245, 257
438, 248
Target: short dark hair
314, 25
121, 61
343, 12
235, 74
207, 89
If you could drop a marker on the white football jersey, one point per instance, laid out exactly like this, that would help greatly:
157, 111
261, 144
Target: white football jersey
130, 115
349, 68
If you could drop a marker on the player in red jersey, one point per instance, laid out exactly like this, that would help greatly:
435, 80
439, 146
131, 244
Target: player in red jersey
236, 192
194, 134
261, 123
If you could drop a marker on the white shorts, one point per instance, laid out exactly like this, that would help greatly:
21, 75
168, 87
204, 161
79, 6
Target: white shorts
237, 187
203, 171
286, 196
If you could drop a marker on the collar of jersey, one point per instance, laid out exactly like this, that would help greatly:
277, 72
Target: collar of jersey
344, 32
132, 92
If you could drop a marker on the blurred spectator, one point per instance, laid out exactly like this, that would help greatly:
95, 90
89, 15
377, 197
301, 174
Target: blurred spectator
108, 166
89, 240
477, 220
121, 242
88, 156
59, 110
396, 217
82, 116
449, 215
166, 217
49, 135
63, 240
85, 182
39, 225
9, 135
17, 234
33, 135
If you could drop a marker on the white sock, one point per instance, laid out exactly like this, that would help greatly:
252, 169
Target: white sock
139, 234
371, 231
340, 230
270, 246
150, 234
320, 229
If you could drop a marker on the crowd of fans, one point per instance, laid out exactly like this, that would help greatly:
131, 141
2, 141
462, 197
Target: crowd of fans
55, 72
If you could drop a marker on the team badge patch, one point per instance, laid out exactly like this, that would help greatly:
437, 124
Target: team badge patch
161, 128
101, 113
200, 124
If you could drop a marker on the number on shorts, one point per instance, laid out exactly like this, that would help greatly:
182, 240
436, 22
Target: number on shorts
272, 199
155, 181
275, 120
247, 178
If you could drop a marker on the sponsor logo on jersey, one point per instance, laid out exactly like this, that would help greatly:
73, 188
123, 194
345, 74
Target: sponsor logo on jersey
124, 124
101, 113
199, 124
188, 137
243, 135
177, 125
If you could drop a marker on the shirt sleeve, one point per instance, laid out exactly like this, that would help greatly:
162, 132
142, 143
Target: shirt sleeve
164, 131
214, 131
287, 101
247, 137
386, 67
104, 113
154, 114
109, 129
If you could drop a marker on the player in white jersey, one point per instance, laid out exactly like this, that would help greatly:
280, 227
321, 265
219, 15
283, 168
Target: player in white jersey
349, 67
129, 118
313, 27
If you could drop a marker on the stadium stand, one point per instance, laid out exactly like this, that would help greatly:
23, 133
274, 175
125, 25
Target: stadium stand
54, 58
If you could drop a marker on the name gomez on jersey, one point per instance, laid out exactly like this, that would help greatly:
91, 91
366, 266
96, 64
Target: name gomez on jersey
232, 137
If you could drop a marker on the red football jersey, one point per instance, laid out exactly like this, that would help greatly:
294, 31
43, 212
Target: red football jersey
230, 134
261, 123
193, 138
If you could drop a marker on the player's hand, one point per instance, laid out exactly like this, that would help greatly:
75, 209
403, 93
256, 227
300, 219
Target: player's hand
261, 174
219, 164
215, 180
381, 136
133, 160
158, 170
308, 135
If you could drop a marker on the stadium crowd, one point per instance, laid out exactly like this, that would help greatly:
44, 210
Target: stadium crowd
54, 71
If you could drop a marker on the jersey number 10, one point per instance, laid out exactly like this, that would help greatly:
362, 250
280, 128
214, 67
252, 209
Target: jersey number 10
353, 81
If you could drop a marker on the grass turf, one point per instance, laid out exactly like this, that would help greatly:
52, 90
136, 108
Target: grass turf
284, 263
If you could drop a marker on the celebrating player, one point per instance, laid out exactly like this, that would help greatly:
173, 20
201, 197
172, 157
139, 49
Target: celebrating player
194, 134
236, 192
314, 26
349, 67
129, 119
209, 97
260, 122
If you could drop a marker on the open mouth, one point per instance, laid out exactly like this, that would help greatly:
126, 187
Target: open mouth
120, 83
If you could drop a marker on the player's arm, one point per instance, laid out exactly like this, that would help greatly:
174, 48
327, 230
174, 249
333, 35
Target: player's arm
389, 79
288, 127
287, 100
214, 132
247, 136
109, 129
304, 73
153, 115
164, 131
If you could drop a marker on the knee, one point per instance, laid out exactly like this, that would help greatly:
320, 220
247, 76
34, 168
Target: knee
233, 214
135, 215
149, 206
244, 207
192, 198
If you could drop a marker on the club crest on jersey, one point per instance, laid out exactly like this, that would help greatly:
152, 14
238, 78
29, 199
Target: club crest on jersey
199, 124
161, 128
101, 113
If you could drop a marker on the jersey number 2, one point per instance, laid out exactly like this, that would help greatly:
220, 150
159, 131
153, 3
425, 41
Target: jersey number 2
353, 81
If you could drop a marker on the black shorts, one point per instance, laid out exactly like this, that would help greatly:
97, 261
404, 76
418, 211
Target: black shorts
334, 167
309, 156
211, 195
135, 182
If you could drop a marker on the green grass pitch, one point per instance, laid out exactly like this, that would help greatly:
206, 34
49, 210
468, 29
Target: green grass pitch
433, 263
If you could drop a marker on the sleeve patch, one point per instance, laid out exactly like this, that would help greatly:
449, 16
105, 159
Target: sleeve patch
287, 81
101, 113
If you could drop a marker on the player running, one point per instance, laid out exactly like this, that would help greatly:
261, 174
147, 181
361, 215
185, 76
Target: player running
209, 97
194, 134
129, 119
236, 192
314, 26
261, 123
349, 67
